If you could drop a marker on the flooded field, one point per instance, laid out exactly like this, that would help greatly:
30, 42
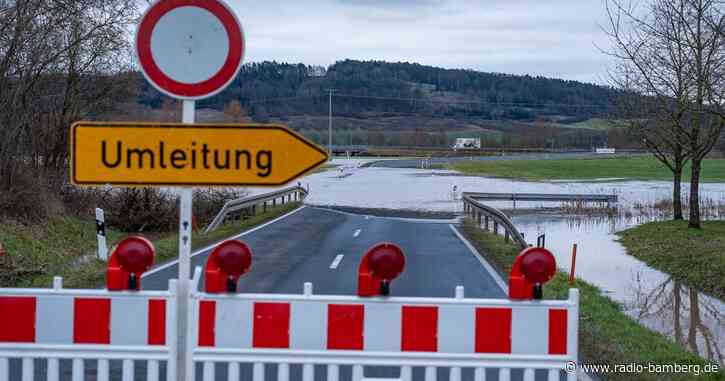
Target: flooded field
650, 296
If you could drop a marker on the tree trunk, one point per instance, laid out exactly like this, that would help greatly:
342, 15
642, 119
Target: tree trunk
695, 193
677, 192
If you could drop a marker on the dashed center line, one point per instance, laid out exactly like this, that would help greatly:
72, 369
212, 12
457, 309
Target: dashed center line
357, 233
336, 261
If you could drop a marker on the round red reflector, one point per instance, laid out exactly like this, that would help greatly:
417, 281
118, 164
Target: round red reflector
386, 261
233, 257
538, 264
135, 254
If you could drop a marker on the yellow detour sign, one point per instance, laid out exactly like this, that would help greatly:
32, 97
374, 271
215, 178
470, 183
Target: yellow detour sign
189, 154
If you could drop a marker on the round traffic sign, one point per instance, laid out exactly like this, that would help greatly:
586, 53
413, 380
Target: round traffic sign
189, 49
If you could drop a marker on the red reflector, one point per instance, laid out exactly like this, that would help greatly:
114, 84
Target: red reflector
557, 331
420, 329
207, 317
92, 321
493, 330
271, 325
157, 322
17, 319
345, 326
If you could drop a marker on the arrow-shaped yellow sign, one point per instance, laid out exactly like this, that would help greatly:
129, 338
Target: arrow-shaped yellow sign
186, 154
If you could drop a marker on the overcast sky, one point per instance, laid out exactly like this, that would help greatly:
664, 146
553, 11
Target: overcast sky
554, 38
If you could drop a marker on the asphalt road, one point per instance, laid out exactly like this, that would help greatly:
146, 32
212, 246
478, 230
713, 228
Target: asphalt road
301, 247
415, 163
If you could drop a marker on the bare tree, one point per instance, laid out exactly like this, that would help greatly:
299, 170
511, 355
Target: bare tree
60, 61
671, 58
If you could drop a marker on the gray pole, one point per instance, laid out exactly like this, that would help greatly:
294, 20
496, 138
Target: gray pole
329, 126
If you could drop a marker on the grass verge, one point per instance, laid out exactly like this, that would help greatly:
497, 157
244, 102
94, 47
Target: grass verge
66, 247
630, 168
694, 256
606, 334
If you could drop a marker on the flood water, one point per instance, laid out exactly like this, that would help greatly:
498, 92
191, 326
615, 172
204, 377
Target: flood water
649, 296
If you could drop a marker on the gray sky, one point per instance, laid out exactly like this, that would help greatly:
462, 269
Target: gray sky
554, 38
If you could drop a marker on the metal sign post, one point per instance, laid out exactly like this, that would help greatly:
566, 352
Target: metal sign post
185, 228
188, 50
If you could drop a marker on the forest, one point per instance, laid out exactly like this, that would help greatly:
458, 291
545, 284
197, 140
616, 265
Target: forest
271, 89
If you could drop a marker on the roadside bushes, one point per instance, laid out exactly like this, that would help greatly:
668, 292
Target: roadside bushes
129, 210
29, 198
141, 210
208, 202
35, 198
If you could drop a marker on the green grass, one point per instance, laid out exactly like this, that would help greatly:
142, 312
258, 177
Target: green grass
62, 246
630, 168
696, 257
66, 247
598, 124
606, 334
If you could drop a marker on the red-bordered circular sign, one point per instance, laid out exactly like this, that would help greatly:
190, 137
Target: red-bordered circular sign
190, 49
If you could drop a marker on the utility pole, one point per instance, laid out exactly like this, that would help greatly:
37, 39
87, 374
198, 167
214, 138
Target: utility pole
329, 126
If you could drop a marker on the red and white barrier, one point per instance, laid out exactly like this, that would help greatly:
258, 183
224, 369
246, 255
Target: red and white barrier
468, 326
65, 319
55, 324
236, 329
452, 333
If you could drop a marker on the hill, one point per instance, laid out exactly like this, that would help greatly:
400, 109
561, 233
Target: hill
408, 98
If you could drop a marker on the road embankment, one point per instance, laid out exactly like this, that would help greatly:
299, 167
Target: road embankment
66, 246
693, 256
607, 335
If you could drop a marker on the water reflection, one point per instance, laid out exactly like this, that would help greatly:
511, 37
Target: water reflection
652, 297
693, 319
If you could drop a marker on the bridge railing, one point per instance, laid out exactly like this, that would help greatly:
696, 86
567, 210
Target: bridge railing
233, 209
485, 215
556, 197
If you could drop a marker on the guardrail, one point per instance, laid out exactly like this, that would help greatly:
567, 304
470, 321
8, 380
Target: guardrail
608, 198
234, 208
477, 211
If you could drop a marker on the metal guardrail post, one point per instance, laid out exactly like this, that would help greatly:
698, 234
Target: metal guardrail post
499, 218
248, 205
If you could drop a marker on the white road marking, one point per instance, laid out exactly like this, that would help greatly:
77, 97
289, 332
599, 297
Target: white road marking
336, 261
357, 233
197, 252
494, 274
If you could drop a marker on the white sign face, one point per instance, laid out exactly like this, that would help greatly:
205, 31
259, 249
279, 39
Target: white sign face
190, 49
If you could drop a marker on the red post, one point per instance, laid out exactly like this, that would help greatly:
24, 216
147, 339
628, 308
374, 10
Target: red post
573, 265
